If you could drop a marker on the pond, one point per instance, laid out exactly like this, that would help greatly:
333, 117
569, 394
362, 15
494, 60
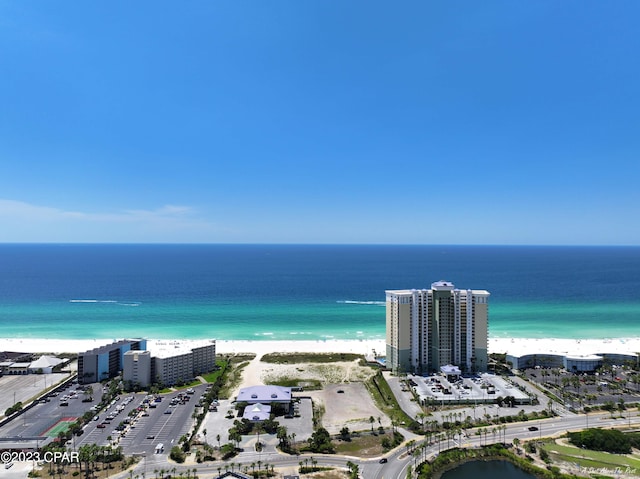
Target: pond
487, 470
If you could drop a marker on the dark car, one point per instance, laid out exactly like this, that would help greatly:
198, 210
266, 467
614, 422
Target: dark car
533, 428
383, 460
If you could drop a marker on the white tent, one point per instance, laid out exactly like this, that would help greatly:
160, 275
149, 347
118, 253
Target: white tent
44, 364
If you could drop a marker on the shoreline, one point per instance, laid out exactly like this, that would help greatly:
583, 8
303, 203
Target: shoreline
520, 346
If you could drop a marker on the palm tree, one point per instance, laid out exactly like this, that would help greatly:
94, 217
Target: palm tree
421, 417
371, 420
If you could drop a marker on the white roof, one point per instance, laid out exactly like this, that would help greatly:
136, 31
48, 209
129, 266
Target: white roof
450, 369
46, 362
264, 394
257, 412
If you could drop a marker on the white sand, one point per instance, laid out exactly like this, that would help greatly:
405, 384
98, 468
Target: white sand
259, 348
365, 347
578, 347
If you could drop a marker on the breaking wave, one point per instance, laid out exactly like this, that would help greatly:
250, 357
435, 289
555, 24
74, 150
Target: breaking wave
375, 303
106, 301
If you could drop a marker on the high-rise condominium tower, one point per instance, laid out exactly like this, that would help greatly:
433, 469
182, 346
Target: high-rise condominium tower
431, 328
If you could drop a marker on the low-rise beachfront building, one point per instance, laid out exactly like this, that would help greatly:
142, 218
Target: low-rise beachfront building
106, 362
430, 328
582, 363
44, 364
263, 396
18, 369
620, 359
535, 360
578, 362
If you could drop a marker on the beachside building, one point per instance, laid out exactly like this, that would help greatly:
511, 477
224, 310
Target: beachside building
136, 368
44, 364
260, 398
578, 362
169, 363
107, 361
431, 328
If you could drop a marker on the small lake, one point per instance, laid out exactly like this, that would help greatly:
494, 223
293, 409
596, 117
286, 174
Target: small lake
487, 470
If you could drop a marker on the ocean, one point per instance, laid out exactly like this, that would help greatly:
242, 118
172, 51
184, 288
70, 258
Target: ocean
306, 292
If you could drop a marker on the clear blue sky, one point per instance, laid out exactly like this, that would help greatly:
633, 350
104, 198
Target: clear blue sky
330, 121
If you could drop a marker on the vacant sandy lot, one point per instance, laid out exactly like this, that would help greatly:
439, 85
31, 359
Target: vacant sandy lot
352, 408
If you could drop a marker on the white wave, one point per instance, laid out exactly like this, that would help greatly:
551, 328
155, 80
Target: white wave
105, 301
351, 301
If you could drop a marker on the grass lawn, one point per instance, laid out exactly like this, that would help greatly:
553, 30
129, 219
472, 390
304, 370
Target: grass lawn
364, 445
386, 400
587, 458
234, 373
213, 376
306, 384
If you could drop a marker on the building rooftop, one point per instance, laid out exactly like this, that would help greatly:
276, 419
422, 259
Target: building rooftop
109, 347
168, 349
257, 412
46, 362
264, 394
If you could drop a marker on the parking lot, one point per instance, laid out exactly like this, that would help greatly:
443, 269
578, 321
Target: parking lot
578, 390
219, 422
23, 388
38, 423
164, 421
483, 389
138, 423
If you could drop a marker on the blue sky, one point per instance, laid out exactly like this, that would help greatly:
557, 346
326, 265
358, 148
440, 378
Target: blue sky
320, 122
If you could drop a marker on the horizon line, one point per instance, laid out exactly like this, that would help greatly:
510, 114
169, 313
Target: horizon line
201, 243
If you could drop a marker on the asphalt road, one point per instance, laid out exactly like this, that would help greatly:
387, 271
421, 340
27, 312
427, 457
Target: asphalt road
398, 461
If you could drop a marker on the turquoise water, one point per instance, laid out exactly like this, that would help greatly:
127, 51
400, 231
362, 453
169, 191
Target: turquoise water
292, 292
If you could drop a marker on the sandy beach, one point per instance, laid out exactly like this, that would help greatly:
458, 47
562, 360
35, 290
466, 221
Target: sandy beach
365, 347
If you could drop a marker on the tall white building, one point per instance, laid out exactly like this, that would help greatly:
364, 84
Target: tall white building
431, 328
